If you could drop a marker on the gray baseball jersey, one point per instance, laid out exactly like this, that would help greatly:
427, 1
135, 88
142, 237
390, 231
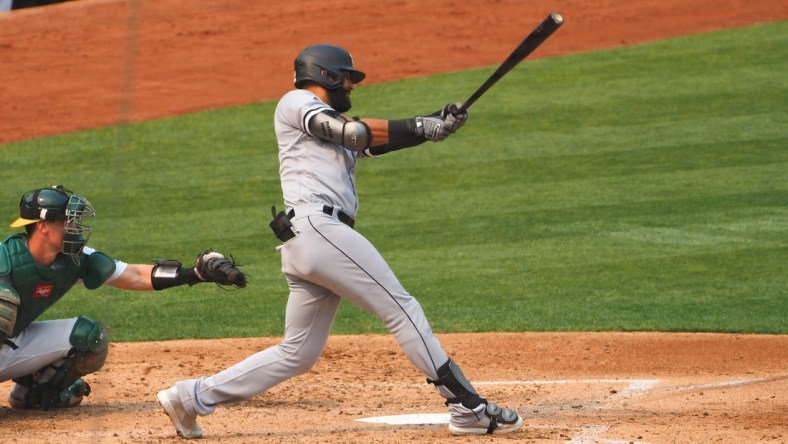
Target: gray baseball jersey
312, 170
326, 262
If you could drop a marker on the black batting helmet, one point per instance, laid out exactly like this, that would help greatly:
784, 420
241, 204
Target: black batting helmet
324, 65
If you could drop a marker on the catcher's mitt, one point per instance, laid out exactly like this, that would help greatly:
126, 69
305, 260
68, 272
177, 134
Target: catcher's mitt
213, 266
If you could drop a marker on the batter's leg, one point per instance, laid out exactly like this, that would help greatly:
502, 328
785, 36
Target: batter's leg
309, 315
345, 262
357, 272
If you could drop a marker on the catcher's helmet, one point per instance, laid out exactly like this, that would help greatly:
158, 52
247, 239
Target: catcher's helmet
58, 203
324, 64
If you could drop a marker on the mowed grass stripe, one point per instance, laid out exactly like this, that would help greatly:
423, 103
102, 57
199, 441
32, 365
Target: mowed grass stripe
641, 188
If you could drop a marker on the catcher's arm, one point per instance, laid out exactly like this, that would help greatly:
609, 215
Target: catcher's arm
134, 277
211, 266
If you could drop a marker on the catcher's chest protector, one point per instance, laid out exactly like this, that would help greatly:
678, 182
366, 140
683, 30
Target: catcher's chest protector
38, 287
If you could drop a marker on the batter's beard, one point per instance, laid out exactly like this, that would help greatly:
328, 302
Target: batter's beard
340, 100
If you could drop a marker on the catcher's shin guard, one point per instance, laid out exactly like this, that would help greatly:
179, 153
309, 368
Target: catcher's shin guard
60, 384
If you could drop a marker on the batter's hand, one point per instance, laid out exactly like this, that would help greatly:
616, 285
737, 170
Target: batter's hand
453, 117
432, 128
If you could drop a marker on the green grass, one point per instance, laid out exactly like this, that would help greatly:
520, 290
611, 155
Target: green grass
641, 188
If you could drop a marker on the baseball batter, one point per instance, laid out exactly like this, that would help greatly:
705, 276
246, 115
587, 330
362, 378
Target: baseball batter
47, 359
325, 260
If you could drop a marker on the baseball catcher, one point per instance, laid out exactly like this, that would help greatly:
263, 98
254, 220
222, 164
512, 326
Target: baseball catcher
47, 359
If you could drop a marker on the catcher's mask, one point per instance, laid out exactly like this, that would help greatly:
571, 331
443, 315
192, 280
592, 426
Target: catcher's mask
58, 203
324, 65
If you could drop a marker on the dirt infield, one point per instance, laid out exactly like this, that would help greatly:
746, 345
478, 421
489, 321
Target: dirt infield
571, 388
65, 68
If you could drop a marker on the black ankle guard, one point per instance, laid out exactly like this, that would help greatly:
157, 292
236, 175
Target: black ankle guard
451, 378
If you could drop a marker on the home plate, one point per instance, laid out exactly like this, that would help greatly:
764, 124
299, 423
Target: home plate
412, 419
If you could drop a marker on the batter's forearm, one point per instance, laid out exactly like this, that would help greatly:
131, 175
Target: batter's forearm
392, 135
379, 129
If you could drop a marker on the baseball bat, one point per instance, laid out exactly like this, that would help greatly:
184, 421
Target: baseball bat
526, 47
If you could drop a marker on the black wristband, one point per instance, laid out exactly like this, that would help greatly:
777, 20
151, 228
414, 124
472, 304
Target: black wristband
169, 273
402, 134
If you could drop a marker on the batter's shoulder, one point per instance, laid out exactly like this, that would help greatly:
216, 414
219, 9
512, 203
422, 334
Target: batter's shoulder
301, 97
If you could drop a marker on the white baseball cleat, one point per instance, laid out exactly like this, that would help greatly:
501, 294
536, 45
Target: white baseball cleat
185, 424
483, 420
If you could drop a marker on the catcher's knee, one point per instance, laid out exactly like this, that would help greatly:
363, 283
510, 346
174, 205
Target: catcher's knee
90, 341
89, 348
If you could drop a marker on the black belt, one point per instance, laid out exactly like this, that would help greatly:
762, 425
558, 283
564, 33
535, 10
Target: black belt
329, 210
